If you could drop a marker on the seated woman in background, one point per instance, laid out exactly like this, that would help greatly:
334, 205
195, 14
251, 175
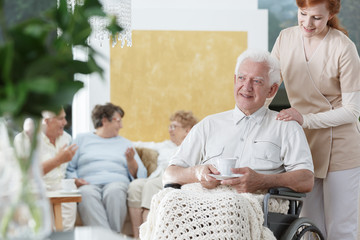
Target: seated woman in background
103, 168
141, 191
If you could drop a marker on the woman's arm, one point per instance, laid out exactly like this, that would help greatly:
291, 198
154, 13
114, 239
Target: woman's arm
348, 113
131, 162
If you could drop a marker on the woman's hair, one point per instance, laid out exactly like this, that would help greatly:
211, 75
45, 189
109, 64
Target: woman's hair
187, 119
334, 8
261, 56
105, 111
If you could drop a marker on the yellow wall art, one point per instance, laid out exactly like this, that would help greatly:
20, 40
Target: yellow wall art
166, 71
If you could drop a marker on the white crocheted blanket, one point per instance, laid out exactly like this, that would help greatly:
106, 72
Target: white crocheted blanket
198, 213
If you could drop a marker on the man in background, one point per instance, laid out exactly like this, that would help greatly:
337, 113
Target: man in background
54, 153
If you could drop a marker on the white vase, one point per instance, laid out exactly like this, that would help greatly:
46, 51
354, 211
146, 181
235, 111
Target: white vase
24, 208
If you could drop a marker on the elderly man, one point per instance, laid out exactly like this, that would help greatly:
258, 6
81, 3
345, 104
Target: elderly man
269, 153
55, 148
55, 152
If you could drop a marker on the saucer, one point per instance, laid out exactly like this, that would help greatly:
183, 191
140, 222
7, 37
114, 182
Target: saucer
221, 177
74, 191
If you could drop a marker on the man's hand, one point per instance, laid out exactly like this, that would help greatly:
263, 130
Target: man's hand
250, 182
66, 153
202, 174
290, 114
79, 182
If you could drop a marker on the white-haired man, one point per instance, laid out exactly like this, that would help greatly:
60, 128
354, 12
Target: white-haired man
269, 153
55, 152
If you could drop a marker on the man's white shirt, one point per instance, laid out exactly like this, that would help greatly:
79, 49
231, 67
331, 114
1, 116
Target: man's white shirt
259, 141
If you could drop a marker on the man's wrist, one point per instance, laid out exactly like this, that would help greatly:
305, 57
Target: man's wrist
58, 160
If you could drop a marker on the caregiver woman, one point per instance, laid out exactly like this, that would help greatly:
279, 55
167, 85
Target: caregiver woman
321, 71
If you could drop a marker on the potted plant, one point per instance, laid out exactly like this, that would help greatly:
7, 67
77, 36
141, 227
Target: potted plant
37, 71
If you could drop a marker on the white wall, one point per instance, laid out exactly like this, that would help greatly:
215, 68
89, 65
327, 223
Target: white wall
96, 89
204, 15
191, 15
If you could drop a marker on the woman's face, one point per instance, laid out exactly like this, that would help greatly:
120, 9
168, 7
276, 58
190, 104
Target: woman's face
177, 132
112, 127
312, 20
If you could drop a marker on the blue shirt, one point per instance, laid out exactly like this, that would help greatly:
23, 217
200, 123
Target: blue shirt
102, 160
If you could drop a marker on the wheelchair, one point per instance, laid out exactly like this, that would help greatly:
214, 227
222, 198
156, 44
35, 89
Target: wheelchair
285, 226
289, 226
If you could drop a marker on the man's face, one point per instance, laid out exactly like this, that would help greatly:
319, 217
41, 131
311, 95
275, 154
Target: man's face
251, 86
55, 125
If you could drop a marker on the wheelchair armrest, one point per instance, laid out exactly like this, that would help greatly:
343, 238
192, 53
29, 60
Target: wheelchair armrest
172, 185
283, 191
295, 201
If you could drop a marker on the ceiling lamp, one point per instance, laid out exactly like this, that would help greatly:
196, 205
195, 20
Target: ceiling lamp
119, 8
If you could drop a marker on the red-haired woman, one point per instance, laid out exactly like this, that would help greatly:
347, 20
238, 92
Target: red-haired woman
321, 71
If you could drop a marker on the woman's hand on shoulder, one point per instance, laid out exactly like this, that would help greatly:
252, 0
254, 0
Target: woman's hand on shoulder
290, 114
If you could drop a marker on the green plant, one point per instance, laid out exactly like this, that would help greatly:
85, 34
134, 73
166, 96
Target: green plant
37, 67
37, 70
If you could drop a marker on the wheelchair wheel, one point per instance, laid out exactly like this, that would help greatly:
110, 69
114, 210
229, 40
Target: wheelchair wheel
302, 229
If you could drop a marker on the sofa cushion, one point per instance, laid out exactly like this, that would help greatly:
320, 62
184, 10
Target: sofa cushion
148, 157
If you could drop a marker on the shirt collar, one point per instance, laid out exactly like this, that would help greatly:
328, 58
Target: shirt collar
45, 138
257, 116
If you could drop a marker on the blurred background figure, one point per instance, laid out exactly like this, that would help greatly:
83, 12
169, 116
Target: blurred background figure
141, 191
22, 140
54, 153
103, 168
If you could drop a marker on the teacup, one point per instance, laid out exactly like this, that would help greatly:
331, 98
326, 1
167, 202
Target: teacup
68, 184
224, 165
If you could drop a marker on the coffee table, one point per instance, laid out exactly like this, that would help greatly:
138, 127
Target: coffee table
58, 197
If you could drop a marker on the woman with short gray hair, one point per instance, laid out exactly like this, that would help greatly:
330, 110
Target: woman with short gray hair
102, 169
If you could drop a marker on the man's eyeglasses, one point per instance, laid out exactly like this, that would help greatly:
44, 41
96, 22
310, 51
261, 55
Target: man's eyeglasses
173, 127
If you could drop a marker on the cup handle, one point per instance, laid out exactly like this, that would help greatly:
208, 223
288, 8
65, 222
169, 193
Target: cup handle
214, 165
